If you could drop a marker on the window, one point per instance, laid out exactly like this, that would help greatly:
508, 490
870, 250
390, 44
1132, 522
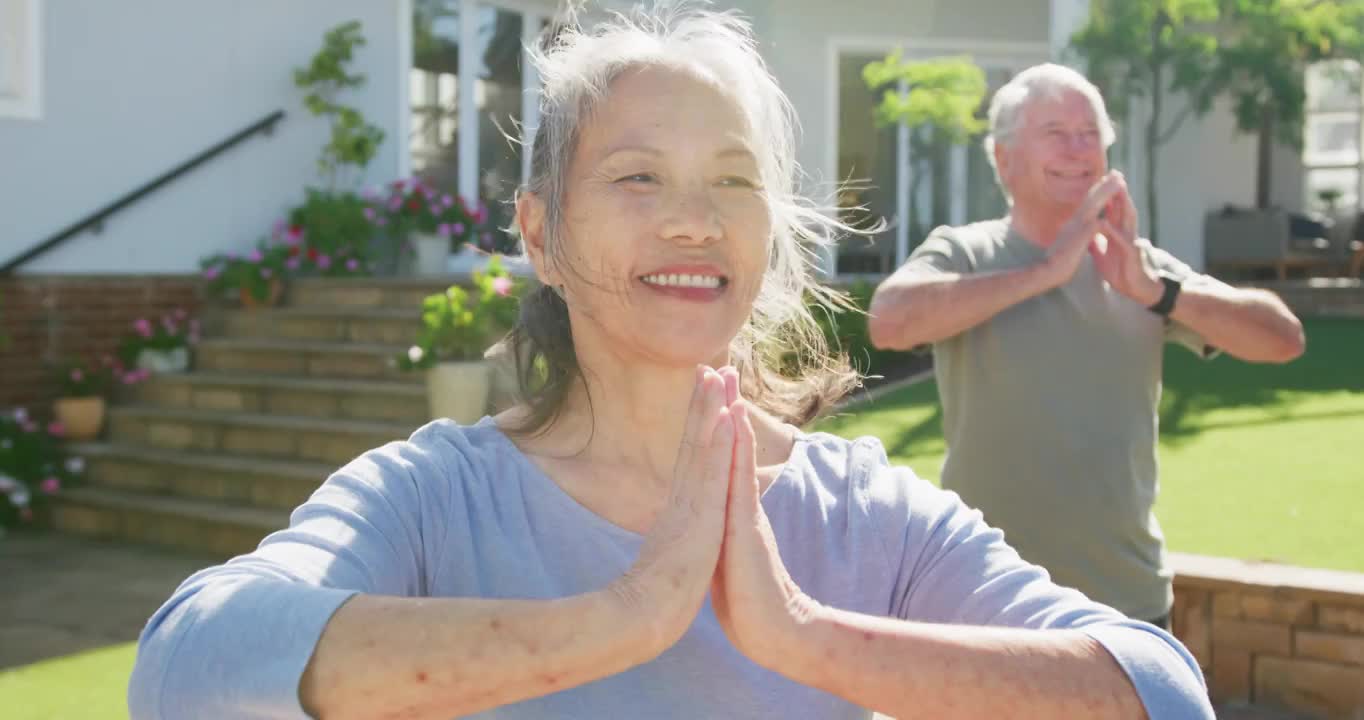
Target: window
20, 26
465, 102
897, 170
1331, 148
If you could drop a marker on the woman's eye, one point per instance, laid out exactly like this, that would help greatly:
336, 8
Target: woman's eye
637, 178
737, 181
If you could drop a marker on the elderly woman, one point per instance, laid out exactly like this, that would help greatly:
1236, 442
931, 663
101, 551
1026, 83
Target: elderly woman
646, 536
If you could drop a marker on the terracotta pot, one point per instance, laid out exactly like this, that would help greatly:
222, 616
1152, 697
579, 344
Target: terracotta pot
271, 298
83, 417
459, 390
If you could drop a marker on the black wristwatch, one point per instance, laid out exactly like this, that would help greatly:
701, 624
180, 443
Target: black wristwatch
1166, 304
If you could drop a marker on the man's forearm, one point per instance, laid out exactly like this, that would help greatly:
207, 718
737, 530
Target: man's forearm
912, 670
1252, 325
914, 308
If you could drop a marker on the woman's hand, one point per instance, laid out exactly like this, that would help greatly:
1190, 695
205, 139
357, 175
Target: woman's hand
670, 578
758, 604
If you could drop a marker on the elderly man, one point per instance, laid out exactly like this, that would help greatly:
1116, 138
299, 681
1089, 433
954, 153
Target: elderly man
1047, 328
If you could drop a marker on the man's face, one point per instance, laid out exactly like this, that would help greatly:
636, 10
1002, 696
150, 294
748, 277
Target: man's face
1056, 156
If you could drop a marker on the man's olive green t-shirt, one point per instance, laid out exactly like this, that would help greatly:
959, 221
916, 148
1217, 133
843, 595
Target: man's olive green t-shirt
1050, 415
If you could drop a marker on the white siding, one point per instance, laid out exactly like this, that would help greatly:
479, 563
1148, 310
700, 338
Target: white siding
136, 87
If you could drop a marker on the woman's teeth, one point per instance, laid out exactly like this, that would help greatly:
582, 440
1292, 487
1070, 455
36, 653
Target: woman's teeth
687, 281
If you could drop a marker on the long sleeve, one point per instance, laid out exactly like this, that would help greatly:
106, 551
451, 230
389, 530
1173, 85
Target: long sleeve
233, 640
951, 567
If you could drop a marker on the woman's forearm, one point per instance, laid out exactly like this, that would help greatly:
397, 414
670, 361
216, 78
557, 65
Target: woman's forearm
385, 657
911, 670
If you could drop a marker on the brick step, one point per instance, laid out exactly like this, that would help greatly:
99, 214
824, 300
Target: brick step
330, 441
371, 292
191, 525
300, 358
375, 400
366, 325
278, 484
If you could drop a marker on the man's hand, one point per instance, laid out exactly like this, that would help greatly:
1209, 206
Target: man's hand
1119, 255
1079, 232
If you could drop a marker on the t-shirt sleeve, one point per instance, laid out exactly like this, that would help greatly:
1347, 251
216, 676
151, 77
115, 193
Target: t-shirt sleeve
233, 640
949, 566
1175, 331
940, 252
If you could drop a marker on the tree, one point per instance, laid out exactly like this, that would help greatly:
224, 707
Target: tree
1254, 51
1153, 49
354, 141
1263, 65
943, 94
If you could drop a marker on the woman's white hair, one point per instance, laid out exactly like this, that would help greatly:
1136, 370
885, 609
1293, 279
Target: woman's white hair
577, 66
1045, 81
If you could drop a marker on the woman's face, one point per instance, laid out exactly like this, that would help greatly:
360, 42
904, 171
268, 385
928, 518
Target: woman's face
667, 231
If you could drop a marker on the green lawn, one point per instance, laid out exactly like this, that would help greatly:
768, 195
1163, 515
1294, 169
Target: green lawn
88, 686
1257, 461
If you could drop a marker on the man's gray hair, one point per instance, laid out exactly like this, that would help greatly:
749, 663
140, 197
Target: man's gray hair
1045, 81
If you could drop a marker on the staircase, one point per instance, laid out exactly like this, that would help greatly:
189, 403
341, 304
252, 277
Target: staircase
213, 460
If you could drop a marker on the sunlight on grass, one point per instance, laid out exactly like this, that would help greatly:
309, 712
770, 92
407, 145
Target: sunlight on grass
90, 686
1257, 462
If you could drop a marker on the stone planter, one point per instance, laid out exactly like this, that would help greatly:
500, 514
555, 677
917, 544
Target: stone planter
164, 361
459, 390
430, 253
83, 417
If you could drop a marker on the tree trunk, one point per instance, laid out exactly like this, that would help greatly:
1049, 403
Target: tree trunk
1264, 161
1153, 156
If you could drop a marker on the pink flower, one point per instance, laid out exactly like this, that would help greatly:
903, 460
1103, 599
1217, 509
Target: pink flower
291, 263
50, 486
458, 228
212, 273
143, 327
180, 314
77, 375
443, 230
352, 264
502, 286
168, 323
369, 214
447, 201
256, 256
395, 202
20, 415
130, 378
380, 222
323, 262
56, 429
295, 235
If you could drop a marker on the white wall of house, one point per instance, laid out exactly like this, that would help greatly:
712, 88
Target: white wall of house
133, 88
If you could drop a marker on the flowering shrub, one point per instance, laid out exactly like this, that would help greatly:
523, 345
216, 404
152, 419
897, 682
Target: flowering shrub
172, 331
33, 465
460, 325
79, 379
409, 206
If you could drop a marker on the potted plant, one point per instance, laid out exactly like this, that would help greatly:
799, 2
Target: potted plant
82, 388
458, 326
434, 224
162, 346
256, 278
33, 465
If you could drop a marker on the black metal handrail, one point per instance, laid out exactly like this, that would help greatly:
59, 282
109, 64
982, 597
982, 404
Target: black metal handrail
94, 222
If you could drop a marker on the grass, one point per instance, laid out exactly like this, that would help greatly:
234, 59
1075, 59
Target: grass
1258, 462
89, 685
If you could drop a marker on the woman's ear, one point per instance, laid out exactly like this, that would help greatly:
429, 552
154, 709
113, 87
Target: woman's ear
530, 218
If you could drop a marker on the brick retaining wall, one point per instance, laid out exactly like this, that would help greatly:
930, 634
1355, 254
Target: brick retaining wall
52, 318
1274, 635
